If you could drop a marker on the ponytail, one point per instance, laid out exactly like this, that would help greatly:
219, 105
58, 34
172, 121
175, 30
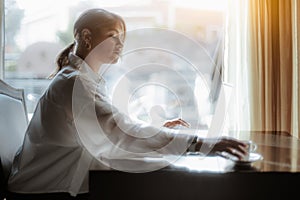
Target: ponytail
62, 59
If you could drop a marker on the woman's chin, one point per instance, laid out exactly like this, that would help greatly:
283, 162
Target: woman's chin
114, 60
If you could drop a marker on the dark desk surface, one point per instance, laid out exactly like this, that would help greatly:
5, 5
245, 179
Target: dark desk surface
279, 150
196, 177
183, 185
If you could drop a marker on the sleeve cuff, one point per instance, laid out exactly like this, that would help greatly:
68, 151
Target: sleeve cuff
192, 147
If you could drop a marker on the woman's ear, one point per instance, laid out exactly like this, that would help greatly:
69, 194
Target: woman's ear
86, 36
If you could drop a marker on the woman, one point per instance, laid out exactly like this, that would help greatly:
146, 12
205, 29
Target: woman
54, 158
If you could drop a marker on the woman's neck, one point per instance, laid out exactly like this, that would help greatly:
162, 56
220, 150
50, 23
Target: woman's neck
93, 63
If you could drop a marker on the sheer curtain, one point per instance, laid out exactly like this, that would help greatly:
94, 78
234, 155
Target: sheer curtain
236, 70
262, 51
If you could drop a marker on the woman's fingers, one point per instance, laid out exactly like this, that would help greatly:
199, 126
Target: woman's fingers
176, 122
238, 146
232, 146
184, 123
236, 153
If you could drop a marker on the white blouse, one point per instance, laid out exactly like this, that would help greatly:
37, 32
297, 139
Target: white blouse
75, 128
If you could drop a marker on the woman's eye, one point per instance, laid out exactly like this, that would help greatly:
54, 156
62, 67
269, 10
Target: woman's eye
113, 35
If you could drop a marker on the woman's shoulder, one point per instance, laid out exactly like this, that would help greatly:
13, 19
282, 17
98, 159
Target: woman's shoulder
61, 87
63, 81
66, 75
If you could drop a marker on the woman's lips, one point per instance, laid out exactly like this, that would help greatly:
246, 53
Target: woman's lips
117, 52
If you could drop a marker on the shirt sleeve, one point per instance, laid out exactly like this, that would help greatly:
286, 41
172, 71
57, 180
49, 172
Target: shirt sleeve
107, 132
136, 137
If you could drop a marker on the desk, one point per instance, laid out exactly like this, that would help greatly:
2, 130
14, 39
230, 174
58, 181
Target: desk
190, 177
280, 151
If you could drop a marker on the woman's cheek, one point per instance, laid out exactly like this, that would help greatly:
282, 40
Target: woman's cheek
108, 46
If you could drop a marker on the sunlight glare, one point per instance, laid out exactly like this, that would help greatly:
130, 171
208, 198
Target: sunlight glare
218, 5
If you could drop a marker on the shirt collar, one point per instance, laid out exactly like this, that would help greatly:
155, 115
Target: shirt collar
84, 68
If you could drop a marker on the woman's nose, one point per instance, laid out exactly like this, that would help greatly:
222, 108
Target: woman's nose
120, 42
119, 46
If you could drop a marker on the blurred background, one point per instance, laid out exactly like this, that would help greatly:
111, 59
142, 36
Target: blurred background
35, 32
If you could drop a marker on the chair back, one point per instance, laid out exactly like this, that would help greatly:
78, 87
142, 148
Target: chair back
2, 183
13, 124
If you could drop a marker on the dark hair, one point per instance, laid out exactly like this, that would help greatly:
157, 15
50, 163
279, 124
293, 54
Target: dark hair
92, 19
62, 59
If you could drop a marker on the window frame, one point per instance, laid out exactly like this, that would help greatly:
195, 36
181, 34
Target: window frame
2, 42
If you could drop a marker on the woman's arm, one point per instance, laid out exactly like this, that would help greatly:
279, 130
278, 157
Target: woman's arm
136, 137
109, 131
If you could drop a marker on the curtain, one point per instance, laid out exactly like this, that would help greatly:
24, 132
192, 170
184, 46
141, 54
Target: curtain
262, 53
273, 88
236, 69
296, 68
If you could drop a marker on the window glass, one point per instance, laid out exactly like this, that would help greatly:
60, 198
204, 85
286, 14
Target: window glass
35, 32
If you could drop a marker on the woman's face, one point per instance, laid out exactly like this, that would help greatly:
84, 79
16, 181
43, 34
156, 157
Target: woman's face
107, 44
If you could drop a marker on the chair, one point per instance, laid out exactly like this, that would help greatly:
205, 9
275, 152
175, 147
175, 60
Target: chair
13, 124
2, 182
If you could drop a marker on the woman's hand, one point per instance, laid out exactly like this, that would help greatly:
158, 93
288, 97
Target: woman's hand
176, 122
224, 144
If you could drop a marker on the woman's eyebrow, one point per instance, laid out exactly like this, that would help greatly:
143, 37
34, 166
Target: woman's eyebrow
121, 30
113, 31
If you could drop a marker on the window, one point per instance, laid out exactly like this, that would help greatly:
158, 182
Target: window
35, 32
